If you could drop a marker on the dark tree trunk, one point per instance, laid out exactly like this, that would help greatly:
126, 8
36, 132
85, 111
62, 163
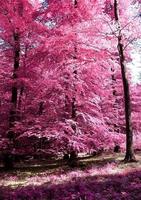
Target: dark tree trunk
73, 159
19, 104
8, 158
21, 92
14, 96
20, 97
72, 156
8, 161
41, 108
115, 127
66, 157
75, 3
117, 149
75, 74
129, 157
74, 108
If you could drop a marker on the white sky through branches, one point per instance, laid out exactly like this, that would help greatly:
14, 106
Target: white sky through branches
135, 65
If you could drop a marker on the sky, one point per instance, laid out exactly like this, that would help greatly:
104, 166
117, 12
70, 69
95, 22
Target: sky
34, 2
135, 65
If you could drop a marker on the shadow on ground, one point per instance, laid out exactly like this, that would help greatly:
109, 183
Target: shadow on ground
102, 187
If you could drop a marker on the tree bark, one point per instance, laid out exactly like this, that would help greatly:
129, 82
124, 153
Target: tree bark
75, 73
75, 3
8, 157
14, 91
20, 97
129, 157
115, 127
72, 161
41, 108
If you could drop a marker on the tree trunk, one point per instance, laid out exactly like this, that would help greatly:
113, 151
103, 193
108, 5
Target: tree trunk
75, 3
14, 96
20, 98
115, 127
41, 108
72, 161
129, 157
8, 158
75, 73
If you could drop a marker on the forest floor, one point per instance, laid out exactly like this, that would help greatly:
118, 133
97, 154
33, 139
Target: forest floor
103, 177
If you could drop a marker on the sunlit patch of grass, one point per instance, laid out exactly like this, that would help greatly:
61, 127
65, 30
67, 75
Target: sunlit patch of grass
14, 184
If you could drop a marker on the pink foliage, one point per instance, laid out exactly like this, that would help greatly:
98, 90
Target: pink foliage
68, 58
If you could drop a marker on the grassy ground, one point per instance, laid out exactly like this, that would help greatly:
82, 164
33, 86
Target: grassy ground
103, 177
25, 172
